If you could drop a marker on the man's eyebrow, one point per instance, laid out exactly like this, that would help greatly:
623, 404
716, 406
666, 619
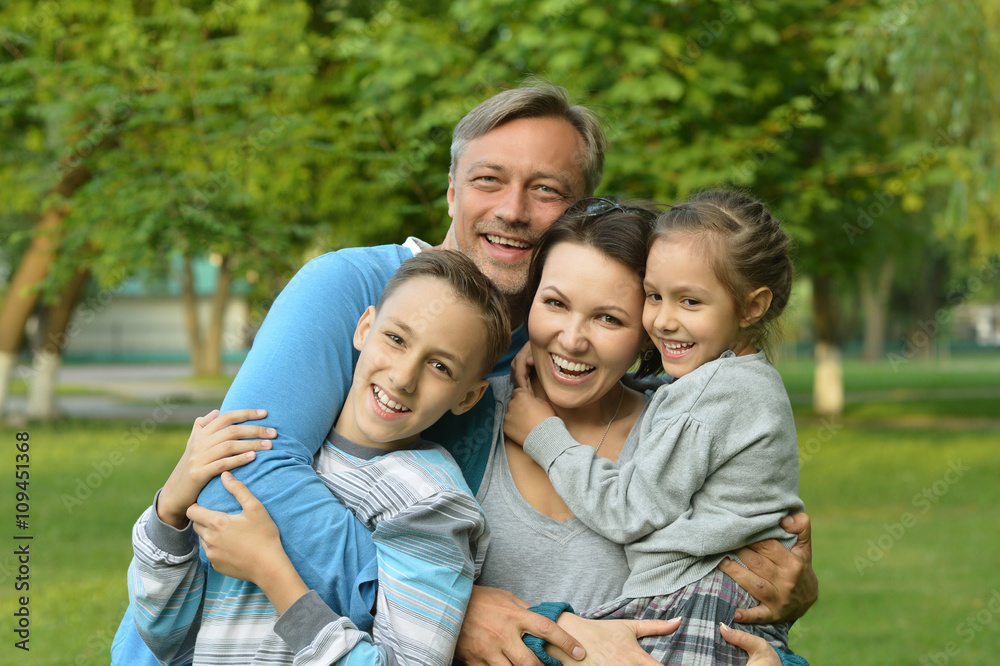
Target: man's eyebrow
554, 175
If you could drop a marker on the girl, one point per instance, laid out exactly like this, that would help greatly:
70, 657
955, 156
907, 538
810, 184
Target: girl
717, 463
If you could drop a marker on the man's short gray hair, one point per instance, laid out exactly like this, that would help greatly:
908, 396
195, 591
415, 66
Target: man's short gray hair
540, 100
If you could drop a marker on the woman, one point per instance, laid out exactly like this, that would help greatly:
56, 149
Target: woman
585, 333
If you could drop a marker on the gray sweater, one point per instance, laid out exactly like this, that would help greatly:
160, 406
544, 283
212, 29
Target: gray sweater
716, 468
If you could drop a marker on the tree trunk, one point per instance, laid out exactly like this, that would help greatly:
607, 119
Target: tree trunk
22, 294
828, 381
206, 350
48, 357
875, 305
190, 301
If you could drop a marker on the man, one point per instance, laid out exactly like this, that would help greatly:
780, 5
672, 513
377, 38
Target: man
519, 160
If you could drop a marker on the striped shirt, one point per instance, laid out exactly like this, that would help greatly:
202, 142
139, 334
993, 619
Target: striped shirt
430, 537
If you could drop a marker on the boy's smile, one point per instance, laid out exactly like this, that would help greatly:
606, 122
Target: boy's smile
421, 356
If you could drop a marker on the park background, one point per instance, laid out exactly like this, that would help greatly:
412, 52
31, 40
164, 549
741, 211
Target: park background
203, 151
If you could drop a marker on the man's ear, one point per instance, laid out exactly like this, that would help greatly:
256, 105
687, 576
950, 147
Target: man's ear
364, 326
451, 197
758, 303
471, 397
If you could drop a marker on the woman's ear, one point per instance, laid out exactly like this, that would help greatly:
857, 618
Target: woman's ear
758, 303
364, 326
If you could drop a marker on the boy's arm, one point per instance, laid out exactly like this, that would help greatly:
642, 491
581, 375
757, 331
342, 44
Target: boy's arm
428, 555
299, 370
165, 583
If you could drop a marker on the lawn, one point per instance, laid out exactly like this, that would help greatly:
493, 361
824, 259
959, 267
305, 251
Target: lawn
902, 491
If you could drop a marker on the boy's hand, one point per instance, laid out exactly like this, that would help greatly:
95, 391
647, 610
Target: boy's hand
216, 444
248, 546
524, 412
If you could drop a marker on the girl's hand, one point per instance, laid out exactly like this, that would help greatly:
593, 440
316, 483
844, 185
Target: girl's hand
613, 642
521, 367
761, 654
216, 444
524, 412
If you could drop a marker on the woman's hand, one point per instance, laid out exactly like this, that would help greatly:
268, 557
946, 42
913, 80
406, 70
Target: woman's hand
782, 580
521, 367
613, 642
216, 444
761, 654
248, 546
494, 624
524, 412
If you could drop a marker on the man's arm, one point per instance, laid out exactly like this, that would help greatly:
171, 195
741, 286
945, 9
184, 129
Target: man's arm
782, 580
300, 370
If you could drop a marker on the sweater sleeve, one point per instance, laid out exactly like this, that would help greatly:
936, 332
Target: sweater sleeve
623, 503
165, 583
428, 556
300, 370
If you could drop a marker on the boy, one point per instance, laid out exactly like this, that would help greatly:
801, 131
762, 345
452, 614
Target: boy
438, 328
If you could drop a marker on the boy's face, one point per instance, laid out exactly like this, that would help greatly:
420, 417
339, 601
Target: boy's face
421, 356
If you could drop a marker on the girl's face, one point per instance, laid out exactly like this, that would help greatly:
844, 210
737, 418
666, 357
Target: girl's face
585, 324
687, 312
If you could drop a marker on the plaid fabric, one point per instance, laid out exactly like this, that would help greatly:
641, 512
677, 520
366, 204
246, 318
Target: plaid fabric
703, 605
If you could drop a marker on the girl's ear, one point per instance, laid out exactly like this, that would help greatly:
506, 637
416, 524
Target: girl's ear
758, 303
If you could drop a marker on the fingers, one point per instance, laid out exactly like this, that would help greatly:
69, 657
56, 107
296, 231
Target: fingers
556, 635
756, 647
203, 421
758, 587
645, 628
238, 490
800, 525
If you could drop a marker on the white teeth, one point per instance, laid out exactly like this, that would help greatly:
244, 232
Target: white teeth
500, 240
569, 365
678, 345
383, 398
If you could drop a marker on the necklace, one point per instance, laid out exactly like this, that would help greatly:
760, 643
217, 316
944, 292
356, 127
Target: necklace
620, 400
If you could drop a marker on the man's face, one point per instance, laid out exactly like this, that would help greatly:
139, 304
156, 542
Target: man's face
509, 186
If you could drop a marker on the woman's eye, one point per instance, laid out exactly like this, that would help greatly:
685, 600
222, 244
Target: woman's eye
553, 303
608, 319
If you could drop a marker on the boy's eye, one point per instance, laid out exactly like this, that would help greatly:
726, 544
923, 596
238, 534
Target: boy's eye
441, 367
394, 338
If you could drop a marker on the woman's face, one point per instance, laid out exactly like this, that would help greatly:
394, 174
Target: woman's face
585, 324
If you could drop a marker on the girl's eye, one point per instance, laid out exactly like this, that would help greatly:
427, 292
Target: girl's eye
653, 296
690, 302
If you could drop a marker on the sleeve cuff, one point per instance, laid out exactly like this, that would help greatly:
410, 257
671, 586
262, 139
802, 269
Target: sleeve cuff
167, 537
551, 610
301, 623
547, 441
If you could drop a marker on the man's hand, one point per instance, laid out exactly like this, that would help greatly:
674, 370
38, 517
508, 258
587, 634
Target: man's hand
782, 580
493, 626
613, 642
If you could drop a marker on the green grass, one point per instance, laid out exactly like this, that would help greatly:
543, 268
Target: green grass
890, 592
